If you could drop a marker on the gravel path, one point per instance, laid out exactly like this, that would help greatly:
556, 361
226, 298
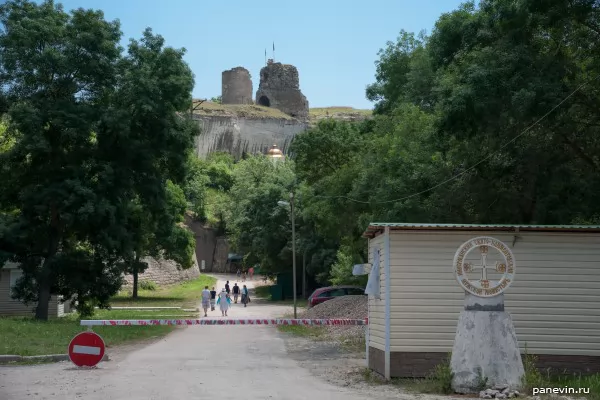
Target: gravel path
252, 362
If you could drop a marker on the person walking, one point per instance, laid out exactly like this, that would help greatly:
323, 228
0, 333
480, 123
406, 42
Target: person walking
227, 289
245, 296
224, 302
244, 277
236, 293
251, 272
213, 298
205, 300
239, 273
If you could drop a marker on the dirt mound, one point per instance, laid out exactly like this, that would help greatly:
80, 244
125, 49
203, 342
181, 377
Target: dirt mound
352, 307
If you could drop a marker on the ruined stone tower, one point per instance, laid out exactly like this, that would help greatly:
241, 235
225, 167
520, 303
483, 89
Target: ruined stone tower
236, 86
280, 88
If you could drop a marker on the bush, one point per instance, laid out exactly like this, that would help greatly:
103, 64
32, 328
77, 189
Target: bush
148, 285
438, 381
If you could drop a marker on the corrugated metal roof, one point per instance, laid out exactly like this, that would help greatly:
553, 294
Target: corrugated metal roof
376, 227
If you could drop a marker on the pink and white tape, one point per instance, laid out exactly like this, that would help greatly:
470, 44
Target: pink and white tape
223, 321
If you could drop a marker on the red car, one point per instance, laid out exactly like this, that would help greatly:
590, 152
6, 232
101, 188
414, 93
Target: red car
327, 293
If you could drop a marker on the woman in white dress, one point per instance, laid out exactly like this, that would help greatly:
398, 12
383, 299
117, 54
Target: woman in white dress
223, 302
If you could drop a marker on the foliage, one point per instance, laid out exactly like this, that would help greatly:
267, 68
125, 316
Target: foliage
439, 380
28, 337
94, 137
217, 100
461, 132
195, 187
220, 171
183, 295
341, 270
148, 285
258, 227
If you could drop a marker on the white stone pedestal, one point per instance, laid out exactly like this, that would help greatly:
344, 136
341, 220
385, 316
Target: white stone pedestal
485, 346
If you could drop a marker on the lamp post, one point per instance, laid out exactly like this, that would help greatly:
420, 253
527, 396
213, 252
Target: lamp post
291, 205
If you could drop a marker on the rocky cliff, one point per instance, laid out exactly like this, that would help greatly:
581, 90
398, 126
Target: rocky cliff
239, 129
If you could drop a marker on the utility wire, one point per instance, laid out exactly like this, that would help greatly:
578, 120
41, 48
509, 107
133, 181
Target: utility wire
474, 165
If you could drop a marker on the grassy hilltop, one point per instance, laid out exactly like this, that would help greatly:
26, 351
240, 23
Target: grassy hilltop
255, 111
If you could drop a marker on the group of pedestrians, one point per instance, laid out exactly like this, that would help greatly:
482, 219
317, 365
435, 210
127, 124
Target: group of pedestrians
243, 274
223, 299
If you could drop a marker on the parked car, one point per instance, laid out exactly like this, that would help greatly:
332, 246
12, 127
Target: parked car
327, 293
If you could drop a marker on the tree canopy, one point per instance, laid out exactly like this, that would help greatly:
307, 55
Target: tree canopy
91, 134
493, 117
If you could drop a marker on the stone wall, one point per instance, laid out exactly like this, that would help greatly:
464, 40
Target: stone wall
239, 135
221, 254
164, 272
236, 86
280, 88
206, 241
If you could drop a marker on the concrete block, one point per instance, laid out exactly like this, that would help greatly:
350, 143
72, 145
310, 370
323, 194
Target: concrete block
485, 346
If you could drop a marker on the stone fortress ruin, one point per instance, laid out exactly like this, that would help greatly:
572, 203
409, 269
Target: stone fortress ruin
243, 125
236, 86
279, 88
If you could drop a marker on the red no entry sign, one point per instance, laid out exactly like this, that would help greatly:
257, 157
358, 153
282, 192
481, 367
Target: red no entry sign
86, 349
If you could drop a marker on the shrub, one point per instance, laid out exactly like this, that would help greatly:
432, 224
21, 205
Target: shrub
148, 285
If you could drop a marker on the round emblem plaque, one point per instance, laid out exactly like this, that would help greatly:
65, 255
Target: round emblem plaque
482, 286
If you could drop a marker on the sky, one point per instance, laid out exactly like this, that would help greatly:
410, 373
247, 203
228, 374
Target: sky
333, 43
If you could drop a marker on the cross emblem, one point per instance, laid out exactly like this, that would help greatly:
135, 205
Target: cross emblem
499, 267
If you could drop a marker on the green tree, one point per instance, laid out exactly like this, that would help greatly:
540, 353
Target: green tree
327, 158
158, 236
57, 70
155, 88
91, 130
218, 99
195, 187
341, 270
258, 227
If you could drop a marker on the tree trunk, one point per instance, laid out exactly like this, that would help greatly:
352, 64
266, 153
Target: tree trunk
44, 286
41, 311
135, 277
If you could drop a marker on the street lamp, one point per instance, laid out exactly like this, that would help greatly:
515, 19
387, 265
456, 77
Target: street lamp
291, 205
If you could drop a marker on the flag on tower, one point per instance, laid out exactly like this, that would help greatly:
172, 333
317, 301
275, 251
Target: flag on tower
273, 46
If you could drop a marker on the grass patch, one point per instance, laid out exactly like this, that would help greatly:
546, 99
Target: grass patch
208, 108
534, 378
310, 332
25, 336
186, 294
440, 381
143, 314
316, 114
263, 292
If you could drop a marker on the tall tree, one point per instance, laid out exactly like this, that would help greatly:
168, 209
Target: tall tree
90, 131
57, 70
148, 142
159, 236
260, 228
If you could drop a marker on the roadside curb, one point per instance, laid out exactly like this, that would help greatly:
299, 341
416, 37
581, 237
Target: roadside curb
6, 359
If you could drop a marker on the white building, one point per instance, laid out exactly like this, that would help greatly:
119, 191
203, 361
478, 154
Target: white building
10, 307
554, 299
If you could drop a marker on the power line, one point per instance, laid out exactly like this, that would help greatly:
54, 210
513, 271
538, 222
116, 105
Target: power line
474, 165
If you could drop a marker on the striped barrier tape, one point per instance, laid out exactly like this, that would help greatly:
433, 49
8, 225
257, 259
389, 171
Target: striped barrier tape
215, 321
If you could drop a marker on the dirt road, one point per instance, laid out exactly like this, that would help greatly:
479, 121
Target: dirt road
192, 363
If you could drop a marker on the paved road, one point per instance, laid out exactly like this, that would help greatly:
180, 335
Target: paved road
192, 363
